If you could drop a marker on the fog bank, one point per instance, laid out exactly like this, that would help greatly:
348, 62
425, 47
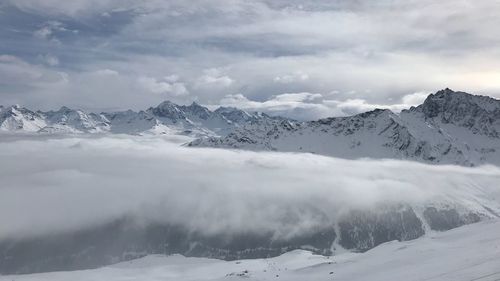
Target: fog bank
54, 185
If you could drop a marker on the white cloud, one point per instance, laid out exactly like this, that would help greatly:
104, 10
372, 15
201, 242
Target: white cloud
171, 78
302, 106
355, 106
88, 181
49, 59
43, 33
292, 78
70, 8
414, 99
310, 106
214, 77
18, 72
48, 31
106, 72
297, 97
163, 87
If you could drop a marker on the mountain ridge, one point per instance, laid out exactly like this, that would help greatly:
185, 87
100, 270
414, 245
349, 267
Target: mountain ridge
166, 118
447, 128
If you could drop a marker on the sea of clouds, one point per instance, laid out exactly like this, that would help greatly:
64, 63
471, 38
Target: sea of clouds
51, 185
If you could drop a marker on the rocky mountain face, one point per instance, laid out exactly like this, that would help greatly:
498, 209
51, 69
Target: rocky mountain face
448, 128
166, 118
124, 239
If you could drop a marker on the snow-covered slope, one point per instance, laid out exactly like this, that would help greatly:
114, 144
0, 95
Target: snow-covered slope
15, 119
467, 253
166, 118
449, 127
66, 120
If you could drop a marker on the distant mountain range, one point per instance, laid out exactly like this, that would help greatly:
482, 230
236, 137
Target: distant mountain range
166, 118
448, 128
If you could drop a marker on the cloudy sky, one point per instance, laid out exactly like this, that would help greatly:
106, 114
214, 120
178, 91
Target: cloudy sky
305, 59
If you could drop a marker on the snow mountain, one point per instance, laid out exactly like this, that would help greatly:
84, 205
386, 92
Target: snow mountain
448, 128
16, 118
166, 118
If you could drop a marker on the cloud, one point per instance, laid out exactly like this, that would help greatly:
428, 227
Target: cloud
414, 99
69, 8
302, 106
370, 53
49, 31
48, 59
106, 72
18, 73
291, 78
88, 181
163, 87
311, 106
214, 77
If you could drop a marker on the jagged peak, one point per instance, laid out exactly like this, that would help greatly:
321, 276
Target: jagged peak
445, 91
447, 100
167, 108
197, 110
227, 109
14, 106
64, 108
12, 109
196, 106
456, 95
376, 112
167, 104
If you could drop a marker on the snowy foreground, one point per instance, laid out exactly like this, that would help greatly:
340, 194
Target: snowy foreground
470, 252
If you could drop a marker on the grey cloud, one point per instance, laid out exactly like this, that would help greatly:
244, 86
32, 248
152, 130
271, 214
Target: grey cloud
377, 52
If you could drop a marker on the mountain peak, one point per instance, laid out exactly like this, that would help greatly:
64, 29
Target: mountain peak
374, 113
14, 107
457, 104
64, 109
166, 104
195, 104
197, 110
445, 91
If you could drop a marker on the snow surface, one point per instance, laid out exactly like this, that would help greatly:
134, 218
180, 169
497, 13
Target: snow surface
467, 253
165, 119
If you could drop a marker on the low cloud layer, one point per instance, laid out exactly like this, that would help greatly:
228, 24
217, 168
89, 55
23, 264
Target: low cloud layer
54, 185
309, 106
